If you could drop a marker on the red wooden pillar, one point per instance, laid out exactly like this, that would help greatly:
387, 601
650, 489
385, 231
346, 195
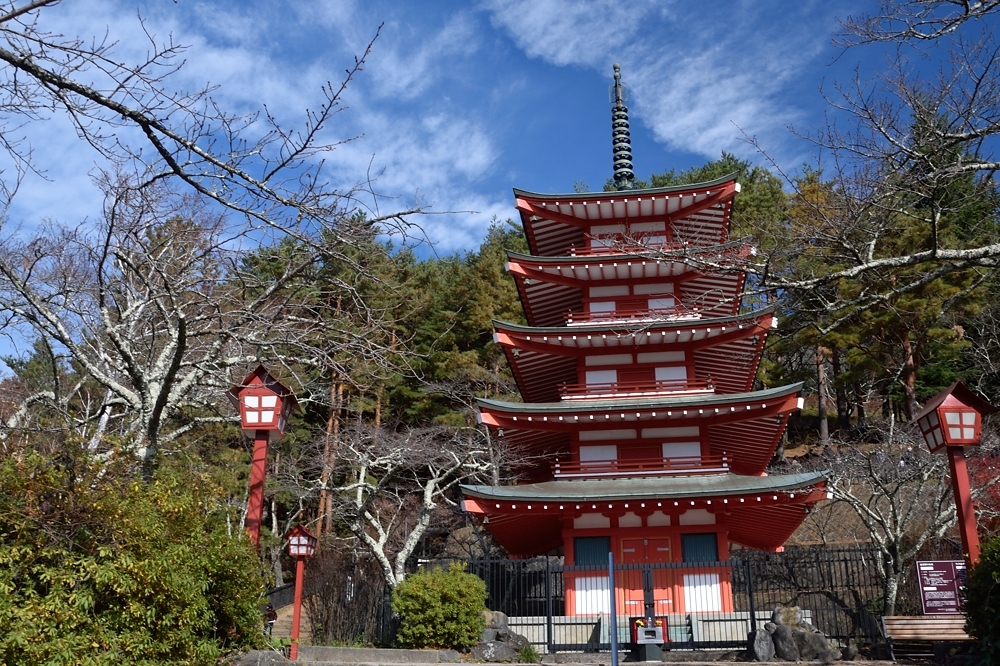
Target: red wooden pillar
963, 503
258, 472
300, 565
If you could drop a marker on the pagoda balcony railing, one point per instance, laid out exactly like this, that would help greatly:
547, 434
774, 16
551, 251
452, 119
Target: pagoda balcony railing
637, 243
629, 315
634, 389
641, 467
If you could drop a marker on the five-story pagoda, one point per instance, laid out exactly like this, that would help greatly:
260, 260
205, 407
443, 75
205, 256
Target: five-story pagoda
640, 431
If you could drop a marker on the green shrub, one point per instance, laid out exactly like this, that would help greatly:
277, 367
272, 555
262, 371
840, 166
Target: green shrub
981, 603
527, 654
99, 569
440, 609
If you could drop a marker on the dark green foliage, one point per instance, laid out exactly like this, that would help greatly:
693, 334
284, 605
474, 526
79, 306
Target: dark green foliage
98, 571
981, 601
440, 609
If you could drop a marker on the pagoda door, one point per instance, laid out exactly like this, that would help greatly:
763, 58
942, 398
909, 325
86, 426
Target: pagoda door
646, 585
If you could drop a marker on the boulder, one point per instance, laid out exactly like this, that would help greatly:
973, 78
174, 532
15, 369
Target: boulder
851, 651
809, 644
495, 620
494, 651
761, 646
517, 641
488, 635
784, 643
829, 656
769, 627
789, 616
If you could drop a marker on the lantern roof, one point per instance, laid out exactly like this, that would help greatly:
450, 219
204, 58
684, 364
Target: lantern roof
299, 530
961, 393
261, 377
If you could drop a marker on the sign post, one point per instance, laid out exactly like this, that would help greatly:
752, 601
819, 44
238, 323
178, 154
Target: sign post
940, 582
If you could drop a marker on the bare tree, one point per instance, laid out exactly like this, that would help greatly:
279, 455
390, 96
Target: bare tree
213, 250
395, 481
900, 494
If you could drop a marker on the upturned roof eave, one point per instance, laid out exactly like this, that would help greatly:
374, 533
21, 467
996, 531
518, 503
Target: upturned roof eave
678, 254
648, 192
647, 402
620, 326
675, 487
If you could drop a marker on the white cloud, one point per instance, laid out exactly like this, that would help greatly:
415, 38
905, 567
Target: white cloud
696, 77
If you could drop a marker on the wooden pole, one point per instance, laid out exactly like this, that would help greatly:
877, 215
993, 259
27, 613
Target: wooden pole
255, 502
963, 503
300, 565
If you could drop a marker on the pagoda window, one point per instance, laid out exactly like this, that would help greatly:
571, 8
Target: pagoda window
662, 303
601, 377
702, 547
601, 307
598, 453
682, 431
681, 449
672, 377
591, 551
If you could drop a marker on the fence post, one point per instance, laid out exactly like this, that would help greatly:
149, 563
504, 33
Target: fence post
613, 613
548, 606
750, 604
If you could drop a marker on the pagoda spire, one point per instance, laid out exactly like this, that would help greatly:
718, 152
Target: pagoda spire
620, 141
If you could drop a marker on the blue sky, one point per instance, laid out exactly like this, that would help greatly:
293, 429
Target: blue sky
461, 101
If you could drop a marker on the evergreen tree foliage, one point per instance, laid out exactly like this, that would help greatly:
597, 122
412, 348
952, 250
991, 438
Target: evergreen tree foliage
103, 570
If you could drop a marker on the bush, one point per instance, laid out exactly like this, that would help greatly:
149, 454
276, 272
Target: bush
981, 599
440, 609
98, 569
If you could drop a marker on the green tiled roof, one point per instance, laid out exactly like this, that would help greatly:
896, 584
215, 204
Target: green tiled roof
665, 487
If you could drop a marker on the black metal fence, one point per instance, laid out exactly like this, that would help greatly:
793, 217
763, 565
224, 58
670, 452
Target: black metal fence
698, 605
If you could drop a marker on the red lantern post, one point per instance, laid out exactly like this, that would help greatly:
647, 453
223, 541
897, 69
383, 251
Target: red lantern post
265, 405
301, 544
952, 420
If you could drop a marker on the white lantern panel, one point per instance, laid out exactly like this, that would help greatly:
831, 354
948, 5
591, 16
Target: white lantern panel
253, 417
268, 401
250, 401
955, 433
937, 437
934, 418
951, 418
267, 416
969, 418
968, 433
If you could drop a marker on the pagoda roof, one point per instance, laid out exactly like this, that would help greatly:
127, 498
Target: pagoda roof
745, 427
762, 511
697, 213
550, 287
727, 349
659, 487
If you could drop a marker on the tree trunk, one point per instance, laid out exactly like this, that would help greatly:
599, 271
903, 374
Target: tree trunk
843, 406
821, 389
908, 377
330, 445
859, 403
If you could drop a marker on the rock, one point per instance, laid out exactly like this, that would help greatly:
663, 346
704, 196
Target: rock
850, 652
488, 635
517, 641
789, 616
495, 620
761, 646
494, 651
770, 627
784, 644
810, 645
449, 656
829, 656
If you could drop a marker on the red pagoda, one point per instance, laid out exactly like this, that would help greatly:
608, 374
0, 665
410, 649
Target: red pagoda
639, 431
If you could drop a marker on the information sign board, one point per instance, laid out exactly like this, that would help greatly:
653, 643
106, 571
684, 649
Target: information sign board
939, 584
